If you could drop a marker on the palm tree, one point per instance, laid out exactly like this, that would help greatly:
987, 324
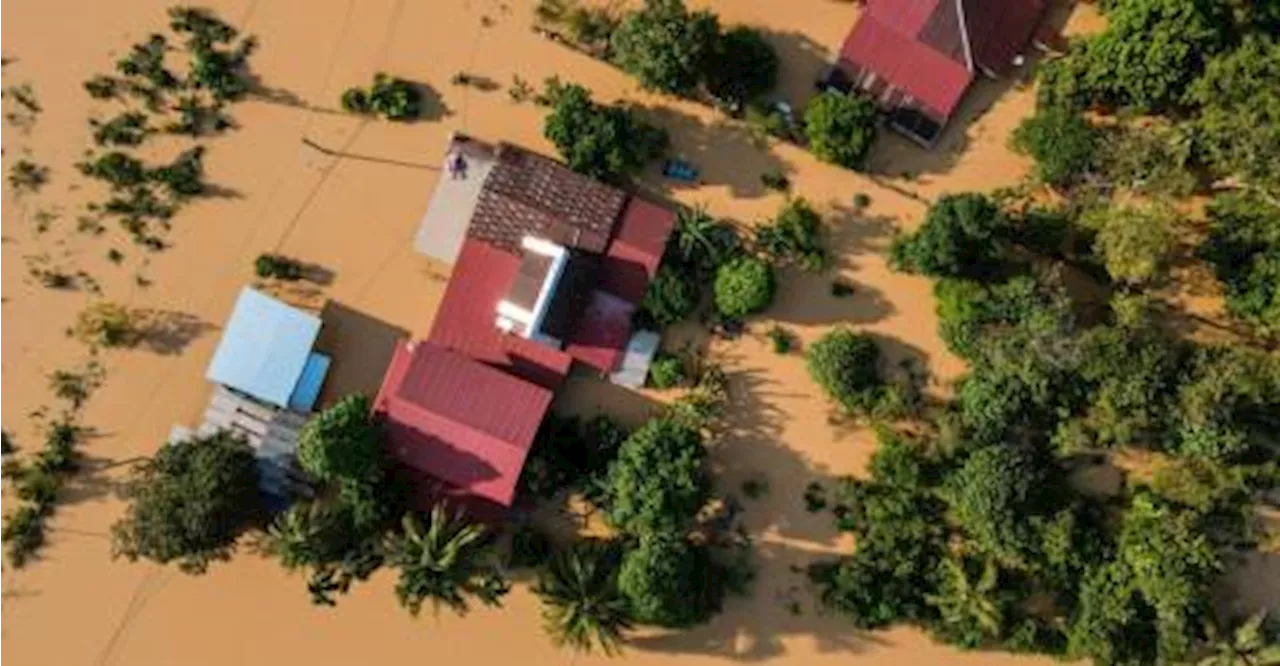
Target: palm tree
696, 234
1248, 645
444, 561
582, 607
963, 603
294, 535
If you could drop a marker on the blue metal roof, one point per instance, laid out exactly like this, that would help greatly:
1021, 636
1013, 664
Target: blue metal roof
264, 348
309, 384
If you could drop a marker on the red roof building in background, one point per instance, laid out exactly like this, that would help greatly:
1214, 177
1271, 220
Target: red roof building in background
918, 57
551, 270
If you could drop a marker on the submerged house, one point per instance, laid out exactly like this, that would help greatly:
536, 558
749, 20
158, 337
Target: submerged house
917, 58
550, 267
267, 377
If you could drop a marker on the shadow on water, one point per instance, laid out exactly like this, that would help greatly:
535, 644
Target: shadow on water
361, 347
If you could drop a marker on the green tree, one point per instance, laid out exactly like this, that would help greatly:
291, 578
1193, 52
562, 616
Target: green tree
1227, 403
1154, 158
659, 480
960, 237
1149, 54
699, 243
582, 607
795, 234
323, 537
1249, 644
599, 141
189, 503
669, 298
1238, 125
1244, 248
744, 67
971, 613
994, 494
743, 286
1062, 142
342, 443
445, 562
665, 46
659, 577
1135, 243
840, 127
847, 366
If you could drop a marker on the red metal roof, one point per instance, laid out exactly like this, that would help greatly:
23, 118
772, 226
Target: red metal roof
919, 46
632, 259
466, 320
458, 420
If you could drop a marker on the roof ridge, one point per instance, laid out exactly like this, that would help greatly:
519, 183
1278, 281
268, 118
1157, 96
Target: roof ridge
964, 35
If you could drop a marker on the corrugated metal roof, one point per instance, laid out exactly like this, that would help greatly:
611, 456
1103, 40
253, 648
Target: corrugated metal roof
264, 348
920, 46
636, 251
460, 421
465, 321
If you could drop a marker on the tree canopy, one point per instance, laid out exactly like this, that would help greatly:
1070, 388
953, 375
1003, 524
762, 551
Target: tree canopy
1244, 248
448, 561
1061, 141
582, 607
743, 67
599, 141
960, 237
840, 127
663, 578
665, 46
190, 503
846, 365
659, 480
743, 286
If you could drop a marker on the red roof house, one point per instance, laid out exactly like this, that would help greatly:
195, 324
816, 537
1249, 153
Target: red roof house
460, 422
918, 57
551, 270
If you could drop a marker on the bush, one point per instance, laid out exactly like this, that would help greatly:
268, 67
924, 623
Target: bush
27, 176
342, 444
23, 534
781, 339
1061, 141
126, 129
666, 372
795, 235
992, 495
190, 503
389, 97
669, 298
744, 67
1244, 248
599, 141
743, 286
277, 266
107, 324
840, 127
846, 365
1135, 243
665, 580
665, 46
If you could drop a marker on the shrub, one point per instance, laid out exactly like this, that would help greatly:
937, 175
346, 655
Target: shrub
389, 97
100, 86
1244, 248
107, 324
117, 169
992, 497
743, 286
960, 237
277, 266
667, 371
846, 365
665, 580
669, 298
126, 129
1135, 243
781, 339
23, 534
795, 235
659, 480
840, 127
27, 176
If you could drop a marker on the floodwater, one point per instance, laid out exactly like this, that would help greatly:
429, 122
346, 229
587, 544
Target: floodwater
354, 218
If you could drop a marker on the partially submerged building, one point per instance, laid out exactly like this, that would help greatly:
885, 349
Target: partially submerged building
917, 58
549, 269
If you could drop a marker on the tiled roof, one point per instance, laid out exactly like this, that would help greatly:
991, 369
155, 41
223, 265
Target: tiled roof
528, 194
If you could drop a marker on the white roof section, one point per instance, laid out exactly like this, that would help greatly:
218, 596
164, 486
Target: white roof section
264, 348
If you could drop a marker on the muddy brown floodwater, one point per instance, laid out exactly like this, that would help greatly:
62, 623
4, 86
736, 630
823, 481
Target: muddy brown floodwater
354, 217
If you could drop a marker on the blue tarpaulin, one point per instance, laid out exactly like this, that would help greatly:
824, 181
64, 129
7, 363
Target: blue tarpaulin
309, 384
265, 348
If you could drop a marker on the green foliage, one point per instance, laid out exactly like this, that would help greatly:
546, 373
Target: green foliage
1244, 248
146, 61
190, 503
126, 129
743, 67
666, 372
960, 237
970, 608
23, 534
1062, 142
100, 86
389, 97
184, 176
582, 607
277, 266
1135, 243
1154, 158
669, 298
1130, 376
1251, 643
342, 443
840, 127
448, 561
117, 169
573, 454
1147, 57
743, 286
660, 578
600, 141
1238, 125
699, 244
1228, 402
846, 365
992, 496
781, 339
665, 46
659, 480
107, 324
795, 235
328, 539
